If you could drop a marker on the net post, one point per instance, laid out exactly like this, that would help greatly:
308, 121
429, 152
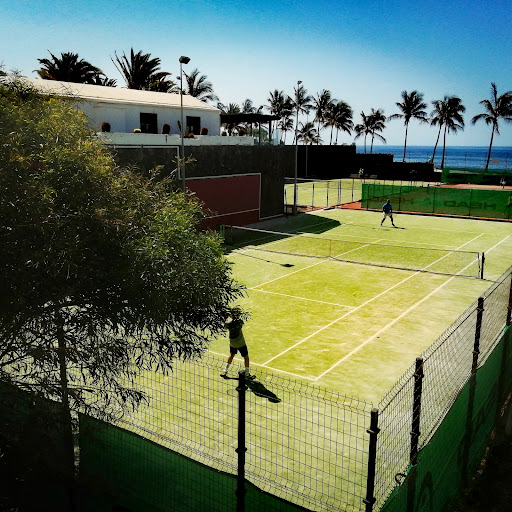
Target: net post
241, 449
313, 196
416, 410
509, 309
482, 266
327, 198
374, 430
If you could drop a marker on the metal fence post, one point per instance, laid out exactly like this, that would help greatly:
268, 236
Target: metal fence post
327, 199
416, 410
478, 330
241, 449
509, 310
372, 458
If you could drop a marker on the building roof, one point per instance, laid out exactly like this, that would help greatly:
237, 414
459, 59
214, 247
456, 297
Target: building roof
102, 94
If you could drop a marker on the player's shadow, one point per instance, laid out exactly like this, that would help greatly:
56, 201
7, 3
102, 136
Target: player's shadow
260, 390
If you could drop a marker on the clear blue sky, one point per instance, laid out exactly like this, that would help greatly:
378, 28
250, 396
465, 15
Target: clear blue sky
364, 52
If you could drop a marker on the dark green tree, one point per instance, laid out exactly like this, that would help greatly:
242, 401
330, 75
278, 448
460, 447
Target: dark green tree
322, 104
377, 121
198, 86
498, 107
364, 128
103, 273
411, 107
140, 71
301, 103
339, 116
68, 68
447, 114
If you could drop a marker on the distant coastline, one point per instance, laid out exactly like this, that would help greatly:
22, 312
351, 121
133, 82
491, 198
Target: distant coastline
460, 157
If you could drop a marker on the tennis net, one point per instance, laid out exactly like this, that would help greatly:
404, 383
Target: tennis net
418, 259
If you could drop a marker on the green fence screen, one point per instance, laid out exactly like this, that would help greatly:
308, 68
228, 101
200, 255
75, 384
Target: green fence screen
454, 453
496, 204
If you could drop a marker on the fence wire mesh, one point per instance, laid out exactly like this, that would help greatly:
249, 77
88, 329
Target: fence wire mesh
304, 444
447, 367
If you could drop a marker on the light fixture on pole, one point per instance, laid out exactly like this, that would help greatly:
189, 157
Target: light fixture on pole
183, 60
296, 149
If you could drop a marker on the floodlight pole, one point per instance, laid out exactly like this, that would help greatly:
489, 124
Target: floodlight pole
183, 60
296, 150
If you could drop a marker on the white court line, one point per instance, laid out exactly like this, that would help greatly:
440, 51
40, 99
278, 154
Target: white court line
385, 328
312, 379
364, 304
313, 265
303, 298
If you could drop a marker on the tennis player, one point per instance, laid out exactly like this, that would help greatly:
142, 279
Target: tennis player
387, 211
237, 343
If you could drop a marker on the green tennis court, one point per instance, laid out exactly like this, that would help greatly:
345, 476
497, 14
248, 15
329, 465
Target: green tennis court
354, 324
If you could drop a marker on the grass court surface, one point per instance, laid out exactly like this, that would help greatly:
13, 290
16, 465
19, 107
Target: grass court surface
351, 327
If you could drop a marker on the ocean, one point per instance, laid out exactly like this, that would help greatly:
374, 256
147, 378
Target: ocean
458, 157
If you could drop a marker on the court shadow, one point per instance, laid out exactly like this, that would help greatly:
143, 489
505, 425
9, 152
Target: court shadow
260, 390
264, 259
399, 227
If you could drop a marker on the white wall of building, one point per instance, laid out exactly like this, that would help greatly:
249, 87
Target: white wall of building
125, 118
151, 140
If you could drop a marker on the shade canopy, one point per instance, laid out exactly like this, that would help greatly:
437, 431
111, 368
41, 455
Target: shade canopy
247, 118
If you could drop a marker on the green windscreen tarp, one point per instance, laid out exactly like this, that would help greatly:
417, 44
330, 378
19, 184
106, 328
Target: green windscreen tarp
495, 204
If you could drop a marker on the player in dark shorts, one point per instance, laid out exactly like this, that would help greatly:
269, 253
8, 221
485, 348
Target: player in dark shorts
387, 211
234, 325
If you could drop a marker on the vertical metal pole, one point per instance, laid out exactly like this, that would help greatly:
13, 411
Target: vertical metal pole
509, 310
182, 131
416, 410
470, 198
296, 153
353, 181
372, 458
313, 196
478, 330
327, 199
482, 265
240, 487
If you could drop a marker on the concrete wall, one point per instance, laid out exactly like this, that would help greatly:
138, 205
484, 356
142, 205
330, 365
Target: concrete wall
272, 162
126, 117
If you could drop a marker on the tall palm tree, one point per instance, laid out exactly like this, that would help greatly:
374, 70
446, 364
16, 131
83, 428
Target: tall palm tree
363, 128
340, 115
248, 107
308, 134
198, 86
322, 104
377, 121
68, 68
447, 113
498, 107
301, 101
142, 72
285, 124
410, 108
278, 104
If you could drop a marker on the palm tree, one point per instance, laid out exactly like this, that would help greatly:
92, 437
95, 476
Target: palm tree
301, 101
199, 87
340, 115
231, 108
68, 68
308, 134
279, 104
104, 81
447, 113
285, 124
249, 108
363, 128
498, 107
377, 121
142, 72
411, 108
322, 104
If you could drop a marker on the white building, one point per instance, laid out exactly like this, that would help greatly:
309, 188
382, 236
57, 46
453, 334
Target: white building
129, 109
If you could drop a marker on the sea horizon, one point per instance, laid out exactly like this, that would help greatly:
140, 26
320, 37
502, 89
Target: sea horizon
461, 157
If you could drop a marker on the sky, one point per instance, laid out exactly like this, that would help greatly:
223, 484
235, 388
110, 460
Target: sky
366, 52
